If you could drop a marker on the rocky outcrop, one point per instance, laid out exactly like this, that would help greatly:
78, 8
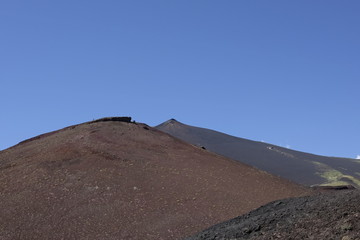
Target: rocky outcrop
114, 119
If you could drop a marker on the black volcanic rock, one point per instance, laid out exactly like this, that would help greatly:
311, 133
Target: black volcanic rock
303, 168
333, 215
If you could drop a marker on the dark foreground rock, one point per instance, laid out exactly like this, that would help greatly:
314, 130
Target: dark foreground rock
333, 215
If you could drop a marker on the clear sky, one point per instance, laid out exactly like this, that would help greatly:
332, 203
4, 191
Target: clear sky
285, 72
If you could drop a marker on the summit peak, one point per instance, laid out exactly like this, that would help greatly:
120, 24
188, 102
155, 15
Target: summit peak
169, 123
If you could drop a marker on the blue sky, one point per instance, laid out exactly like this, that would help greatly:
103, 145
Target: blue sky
285, 72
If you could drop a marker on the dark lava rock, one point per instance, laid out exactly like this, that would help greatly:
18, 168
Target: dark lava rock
332, 215
114, 119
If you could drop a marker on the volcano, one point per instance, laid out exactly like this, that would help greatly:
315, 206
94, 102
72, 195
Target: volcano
116, 179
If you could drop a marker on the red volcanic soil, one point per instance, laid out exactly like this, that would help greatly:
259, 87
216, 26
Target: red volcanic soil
120, 180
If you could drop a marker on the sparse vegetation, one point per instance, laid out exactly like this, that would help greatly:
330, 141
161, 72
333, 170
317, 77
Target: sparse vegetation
334, 177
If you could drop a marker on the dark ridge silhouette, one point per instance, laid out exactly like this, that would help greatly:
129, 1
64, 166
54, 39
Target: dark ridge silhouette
304, 168
114, 119
119, 180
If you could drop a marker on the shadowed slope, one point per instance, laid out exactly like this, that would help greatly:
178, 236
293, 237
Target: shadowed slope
120, 180
303, 168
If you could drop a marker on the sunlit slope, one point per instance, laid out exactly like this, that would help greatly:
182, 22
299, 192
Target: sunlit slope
111, 179
303, 168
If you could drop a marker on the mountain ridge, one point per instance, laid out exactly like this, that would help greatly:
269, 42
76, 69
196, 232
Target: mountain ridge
301, 167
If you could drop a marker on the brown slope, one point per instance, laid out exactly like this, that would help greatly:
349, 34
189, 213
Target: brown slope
119, 180
304, 168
